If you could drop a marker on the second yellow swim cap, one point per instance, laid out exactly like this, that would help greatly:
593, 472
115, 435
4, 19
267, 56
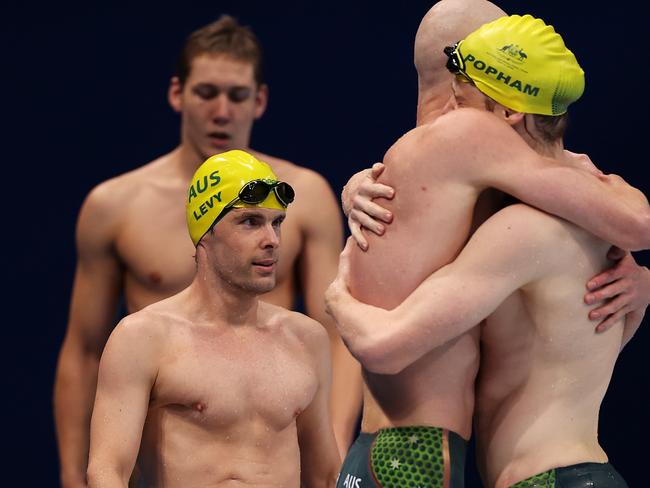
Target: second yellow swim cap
216, 185
523, 64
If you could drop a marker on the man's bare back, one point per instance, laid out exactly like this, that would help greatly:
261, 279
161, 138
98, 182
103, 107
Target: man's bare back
544, 371
434, 204
430, 200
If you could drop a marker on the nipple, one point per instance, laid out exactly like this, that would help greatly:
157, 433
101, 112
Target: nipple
155, 277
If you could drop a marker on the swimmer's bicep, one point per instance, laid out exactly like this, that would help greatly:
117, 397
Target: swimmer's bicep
504, 254
128, 362
126, 375
98, 277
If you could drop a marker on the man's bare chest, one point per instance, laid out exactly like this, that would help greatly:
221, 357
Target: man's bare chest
222, 383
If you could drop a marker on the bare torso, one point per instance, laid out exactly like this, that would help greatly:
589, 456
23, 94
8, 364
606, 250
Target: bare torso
223, 407
544, 371
152, 242
433, 209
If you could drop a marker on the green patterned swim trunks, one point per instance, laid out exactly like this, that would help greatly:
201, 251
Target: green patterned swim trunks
405, 457
583, 475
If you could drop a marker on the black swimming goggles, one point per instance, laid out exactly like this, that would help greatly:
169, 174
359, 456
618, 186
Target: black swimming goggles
455, 63
257, 191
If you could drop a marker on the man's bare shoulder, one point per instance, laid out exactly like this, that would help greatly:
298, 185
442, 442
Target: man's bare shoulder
305, 328
527, 221
298, 176
542, 233
313, 192
461, 128
109, 197
152, 320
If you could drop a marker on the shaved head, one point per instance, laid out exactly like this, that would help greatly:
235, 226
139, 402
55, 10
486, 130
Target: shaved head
447, 22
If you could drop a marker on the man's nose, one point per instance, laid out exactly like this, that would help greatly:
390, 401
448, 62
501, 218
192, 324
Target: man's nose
271, 236
221, 109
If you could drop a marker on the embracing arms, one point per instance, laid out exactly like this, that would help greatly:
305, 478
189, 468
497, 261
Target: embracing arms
477, 148
495, 262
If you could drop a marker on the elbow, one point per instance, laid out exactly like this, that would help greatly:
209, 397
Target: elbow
101, 474
638, 237
380, 357
645, 229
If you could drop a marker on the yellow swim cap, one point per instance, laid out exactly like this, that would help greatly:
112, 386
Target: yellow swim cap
523, 64
216, 184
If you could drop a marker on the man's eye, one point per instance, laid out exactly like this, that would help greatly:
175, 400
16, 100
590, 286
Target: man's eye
206, 92
249, 221
239, 94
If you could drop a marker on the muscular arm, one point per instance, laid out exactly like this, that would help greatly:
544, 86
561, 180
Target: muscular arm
495, 262
94, 298
323, 236
126, 375
497, 157
319, 459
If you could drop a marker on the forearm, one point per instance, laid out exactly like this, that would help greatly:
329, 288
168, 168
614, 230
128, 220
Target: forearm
74, 393
603, 205
368, 333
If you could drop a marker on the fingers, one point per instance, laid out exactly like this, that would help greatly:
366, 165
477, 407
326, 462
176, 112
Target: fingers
349, 244
351, 189
611, 290
372, 210
376, 190
618, 304
610, 321
367, 222
344, 261
376, 170
357, 234
602, 279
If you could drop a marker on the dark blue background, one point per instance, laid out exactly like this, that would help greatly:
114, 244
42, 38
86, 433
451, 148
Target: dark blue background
84, 92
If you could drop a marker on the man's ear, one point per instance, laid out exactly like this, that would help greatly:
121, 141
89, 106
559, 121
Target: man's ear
175, 94
512, 117
261, 100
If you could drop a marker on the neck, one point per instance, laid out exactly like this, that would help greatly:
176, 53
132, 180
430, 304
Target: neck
431, 102
217, 301
188, 157
528, 132
552, 150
